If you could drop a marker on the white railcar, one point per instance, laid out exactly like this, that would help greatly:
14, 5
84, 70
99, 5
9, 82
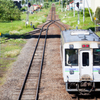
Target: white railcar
80, 51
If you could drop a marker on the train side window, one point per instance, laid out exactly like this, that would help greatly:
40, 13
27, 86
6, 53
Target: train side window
96, 57
85, 59
71, 57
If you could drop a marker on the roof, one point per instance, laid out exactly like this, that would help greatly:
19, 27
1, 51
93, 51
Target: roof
79, 35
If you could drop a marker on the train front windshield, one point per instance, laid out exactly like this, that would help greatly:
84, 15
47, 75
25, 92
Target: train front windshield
71, 57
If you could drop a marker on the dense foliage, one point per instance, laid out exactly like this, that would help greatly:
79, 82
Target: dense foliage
97, 14
87, 12
8, 11
46, 5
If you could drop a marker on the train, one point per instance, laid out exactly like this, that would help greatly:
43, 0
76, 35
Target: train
80, 53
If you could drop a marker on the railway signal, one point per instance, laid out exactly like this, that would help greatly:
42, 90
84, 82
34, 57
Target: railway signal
29, 4
77, 4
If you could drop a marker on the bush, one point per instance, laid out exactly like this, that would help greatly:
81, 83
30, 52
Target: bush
46, 5
57, 3
23, 9
8, 11
87, 12
97, 14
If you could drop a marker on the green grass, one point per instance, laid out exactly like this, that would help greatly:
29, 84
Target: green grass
19, 26
73, 21
13, 38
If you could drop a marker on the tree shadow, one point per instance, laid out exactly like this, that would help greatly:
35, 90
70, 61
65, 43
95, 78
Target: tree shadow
32, 34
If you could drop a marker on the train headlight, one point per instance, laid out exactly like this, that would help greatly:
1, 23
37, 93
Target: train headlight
99, 71
71, 71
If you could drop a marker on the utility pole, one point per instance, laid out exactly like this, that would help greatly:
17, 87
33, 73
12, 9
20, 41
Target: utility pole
62, 5
27, 17
69, 5
74, 8
89, 10
83, 10
78, 11
78, 17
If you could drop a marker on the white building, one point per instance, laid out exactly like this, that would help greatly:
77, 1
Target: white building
93, 4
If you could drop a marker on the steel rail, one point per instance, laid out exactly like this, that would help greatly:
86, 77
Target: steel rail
59, 23
42, 62
58, 26
51, 13
62, 25
23, 86
54, 15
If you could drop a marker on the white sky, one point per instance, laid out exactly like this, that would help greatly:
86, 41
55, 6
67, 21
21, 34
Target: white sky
77, 1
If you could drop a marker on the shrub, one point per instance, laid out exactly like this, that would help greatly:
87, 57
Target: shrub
46, 5
8, 11
23, 9
97, 14
87, 12
12, 53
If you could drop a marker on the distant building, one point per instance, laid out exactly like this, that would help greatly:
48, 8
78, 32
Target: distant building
93, 4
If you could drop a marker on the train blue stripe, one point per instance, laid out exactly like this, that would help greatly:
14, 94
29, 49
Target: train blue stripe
68, 69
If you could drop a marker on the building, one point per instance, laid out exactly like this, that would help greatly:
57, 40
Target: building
95, 4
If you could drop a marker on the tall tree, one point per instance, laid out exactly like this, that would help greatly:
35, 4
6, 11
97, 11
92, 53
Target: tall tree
8, 11
23, 2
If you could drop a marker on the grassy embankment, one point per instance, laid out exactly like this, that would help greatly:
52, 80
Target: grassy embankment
72, 21
13, 38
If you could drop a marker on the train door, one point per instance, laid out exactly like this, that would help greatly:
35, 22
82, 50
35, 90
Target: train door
85, 65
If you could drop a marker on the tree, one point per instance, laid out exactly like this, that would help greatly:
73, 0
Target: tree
68, 1
23, 2
97, 14
8, 11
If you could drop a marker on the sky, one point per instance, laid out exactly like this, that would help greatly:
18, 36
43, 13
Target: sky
77, 1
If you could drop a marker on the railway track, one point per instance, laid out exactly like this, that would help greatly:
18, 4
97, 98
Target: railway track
31, 88
31, 84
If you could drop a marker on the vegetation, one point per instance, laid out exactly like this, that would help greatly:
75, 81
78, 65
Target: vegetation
46, 5
8, 11
87, 12
67, 18
14, 35
97, 14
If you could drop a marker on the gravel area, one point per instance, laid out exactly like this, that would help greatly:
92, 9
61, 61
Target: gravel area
17, 71
52, 85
